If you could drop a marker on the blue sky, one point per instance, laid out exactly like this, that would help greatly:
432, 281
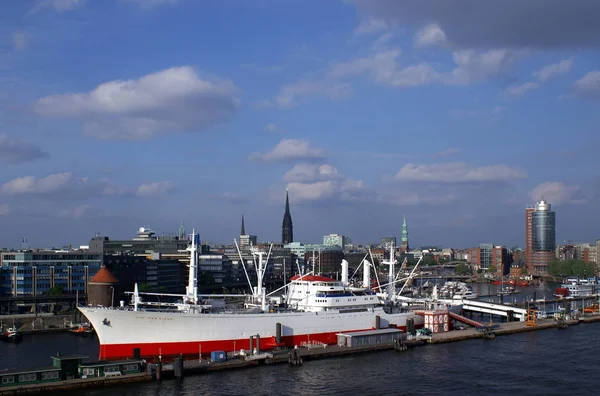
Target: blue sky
120, 113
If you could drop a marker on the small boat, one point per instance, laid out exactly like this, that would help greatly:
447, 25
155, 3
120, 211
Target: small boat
10, 334
83, 329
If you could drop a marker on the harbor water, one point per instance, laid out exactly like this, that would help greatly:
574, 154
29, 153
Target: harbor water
546, 362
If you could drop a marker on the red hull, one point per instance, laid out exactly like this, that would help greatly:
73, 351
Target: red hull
151, 351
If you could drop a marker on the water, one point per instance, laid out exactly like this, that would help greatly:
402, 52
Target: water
537, 363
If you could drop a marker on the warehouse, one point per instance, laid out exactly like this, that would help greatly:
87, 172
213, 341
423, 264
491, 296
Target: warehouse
369, 337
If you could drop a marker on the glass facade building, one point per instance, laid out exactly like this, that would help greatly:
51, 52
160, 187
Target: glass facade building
543, 225
35, 273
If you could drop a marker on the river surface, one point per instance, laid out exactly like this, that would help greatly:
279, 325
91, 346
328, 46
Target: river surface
547, 362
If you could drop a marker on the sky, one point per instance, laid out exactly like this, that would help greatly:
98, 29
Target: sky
117, 114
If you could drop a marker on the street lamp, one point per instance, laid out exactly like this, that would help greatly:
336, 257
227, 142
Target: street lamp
112, 298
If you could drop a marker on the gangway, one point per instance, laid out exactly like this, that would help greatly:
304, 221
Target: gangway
464, 320
495, 309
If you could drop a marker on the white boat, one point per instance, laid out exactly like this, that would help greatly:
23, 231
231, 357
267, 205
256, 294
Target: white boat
579, 288
318, 308
457, 291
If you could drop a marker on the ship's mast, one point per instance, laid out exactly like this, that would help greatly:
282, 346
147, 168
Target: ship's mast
260, 292
391, 287
191, 290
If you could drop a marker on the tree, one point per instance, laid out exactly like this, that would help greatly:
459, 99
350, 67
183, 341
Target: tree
56, 290
524, 271
492, 269
572, 268
144, 288
461, 269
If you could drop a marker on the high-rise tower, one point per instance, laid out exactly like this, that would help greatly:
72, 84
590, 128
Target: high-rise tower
404, 238
287, 229
543, 222
529, 239
243, 230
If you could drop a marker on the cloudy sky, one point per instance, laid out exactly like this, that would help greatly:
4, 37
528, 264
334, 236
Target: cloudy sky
120, 113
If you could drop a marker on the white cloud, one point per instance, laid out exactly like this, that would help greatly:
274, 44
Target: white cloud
519, 90
4, 210
588, 86
290, 92
554, 70
175, 99
288, 150
303, 173
556, 193
56, 5
146, 4
19, 41
155, 189
458, 172
13, 151
446, 153
35, 185
430, 34
370, 26
470, 67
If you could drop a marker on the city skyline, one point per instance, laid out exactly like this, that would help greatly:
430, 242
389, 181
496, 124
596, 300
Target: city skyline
125, 113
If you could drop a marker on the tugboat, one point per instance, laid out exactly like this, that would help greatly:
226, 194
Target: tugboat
82, 329
10, 334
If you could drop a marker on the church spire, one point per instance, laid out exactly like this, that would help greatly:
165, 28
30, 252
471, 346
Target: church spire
287, 228
404, 239
243, 230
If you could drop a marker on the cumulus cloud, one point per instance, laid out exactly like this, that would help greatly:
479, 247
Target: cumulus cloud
520, 90
588, 86
155, 189
56, 5
175, 99
289, 93
458, 172
554, 70
19, 41
541, 24
13, 151
430, 34
470, 67
310, 182
4, 210
370, 26
37, 185
557, 193
413, 199
290, 150
303, 173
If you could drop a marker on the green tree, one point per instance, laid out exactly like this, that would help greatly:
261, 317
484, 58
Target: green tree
56, 290
144, 288
492, 269
461, 269
524, 271
572, 268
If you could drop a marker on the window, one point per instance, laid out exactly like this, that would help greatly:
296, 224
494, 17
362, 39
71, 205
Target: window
27, 377
8, 380
130, 367
90, 372
50, 375
111, 369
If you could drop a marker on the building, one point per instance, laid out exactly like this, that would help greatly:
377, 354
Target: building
33, 273
101, 289
386, 241
543, 224
529, 239
287, 228
336, 240
488, 255
144, 242
246, 240
326, 260
404, 238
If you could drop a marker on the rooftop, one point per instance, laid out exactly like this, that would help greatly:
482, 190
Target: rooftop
69, 357
103, 276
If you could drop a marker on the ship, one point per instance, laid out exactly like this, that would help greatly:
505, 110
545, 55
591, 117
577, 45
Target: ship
311, 309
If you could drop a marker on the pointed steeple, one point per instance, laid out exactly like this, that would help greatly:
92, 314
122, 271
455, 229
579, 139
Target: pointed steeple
404, 224
404, 238
243, 230
287, 229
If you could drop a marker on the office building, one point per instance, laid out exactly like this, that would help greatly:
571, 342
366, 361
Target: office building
543, 224
336, 240
144, 242
33, 273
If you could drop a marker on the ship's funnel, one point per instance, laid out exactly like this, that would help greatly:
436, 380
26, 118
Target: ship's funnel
366, 274
344, 272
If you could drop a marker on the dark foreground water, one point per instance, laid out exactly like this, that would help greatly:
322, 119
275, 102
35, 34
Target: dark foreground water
548, 362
